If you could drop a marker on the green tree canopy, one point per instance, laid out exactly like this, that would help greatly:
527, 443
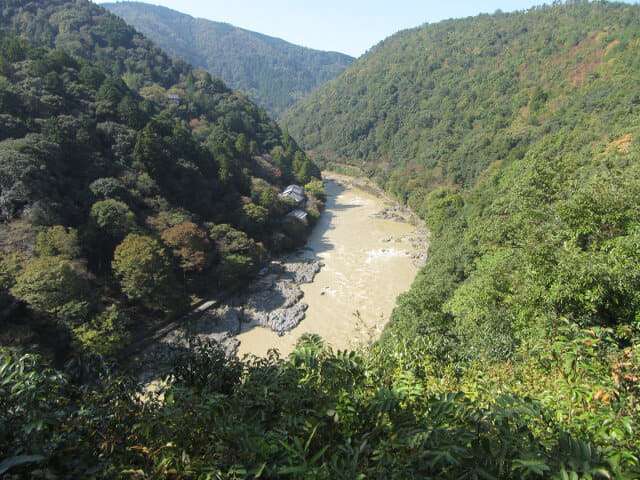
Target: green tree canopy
113, 218
60, 241
144, 270
48, 283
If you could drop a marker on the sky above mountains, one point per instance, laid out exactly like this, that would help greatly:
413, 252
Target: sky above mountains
347, 26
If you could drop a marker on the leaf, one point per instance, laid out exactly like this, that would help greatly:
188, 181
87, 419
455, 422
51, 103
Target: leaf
306, 445
564, 474
603, 473
319, 454
18, 460
260, 470
535, 466
292, 469
486, 475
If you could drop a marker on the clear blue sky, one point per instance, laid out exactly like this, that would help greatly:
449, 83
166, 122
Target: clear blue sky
348, 26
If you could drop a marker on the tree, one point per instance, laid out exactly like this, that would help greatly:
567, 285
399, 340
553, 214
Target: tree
144, 270
112, 217
22, 182
315, 188
108, 187
307, 172
60, 241
257, 218
538, 99
283, 164
234, 269
148, 149
106, 333
48, 283
190, 245
242, 145
296, 230
229, 240
298, 159
109, 222
91, 76
129, 112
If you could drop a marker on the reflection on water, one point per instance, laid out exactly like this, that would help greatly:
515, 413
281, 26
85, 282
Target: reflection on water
366, 267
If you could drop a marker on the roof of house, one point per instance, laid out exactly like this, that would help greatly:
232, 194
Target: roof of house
298, 197
294, 188
299, 214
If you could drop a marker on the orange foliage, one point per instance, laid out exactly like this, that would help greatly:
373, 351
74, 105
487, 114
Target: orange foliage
190, 244
621, 145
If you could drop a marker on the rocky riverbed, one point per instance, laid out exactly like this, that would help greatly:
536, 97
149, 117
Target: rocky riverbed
272, 301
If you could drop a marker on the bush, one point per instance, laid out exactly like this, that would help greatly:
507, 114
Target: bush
234, 270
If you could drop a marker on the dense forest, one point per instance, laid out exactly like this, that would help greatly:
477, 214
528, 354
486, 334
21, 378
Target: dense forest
515, 136
130, 184
272, 72
438, 104
516, 352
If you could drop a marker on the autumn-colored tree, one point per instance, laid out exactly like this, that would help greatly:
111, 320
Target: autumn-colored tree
190, 245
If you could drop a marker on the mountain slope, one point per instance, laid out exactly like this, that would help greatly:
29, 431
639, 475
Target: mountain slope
515, 136
450, 98
122, 171
274, 73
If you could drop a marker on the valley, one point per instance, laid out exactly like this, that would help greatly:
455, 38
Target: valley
134, 187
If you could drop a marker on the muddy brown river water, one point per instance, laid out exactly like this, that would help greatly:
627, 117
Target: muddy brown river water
369, 260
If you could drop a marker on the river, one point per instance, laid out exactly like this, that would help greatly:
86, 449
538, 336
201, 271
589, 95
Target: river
368, 263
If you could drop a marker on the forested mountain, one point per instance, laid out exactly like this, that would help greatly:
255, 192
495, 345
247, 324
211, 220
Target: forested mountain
516, 354
272, 72
128, 182
437, 104
515, 136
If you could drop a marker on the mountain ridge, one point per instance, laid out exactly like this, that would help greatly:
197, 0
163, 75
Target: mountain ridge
273, 72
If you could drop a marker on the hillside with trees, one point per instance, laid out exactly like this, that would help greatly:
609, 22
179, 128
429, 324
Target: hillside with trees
129, 183
516, 353
515, 136
272, 72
